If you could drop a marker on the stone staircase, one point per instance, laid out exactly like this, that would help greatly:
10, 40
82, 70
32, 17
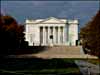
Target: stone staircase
61, 50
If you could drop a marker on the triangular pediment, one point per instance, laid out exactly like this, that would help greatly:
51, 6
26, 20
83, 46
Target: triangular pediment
52, 20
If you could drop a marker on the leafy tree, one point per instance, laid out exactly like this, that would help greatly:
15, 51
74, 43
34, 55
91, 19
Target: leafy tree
90, 35
11, 33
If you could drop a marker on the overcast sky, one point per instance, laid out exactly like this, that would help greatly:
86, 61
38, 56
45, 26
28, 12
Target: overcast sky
21, 10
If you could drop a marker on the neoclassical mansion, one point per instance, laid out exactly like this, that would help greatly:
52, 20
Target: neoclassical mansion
51, 32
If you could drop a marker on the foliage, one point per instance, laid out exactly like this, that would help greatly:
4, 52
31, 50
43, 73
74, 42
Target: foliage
11, 33
90, 35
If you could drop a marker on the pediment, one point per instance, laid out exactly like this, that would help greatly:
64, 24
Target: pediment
52, 20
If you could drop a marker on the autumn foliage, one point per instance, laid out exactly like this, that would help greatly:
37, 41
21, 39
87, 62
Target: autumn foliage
11, 34
90, 35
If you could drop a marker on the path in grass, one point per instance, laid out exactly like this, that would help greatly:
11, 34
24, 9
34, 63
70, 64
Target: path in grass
88, 68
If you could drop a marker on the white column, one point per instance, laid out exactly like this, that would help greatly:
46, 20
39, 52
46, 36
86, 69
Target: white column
54, 35
48, 35
66, 35
58, 35
63, 36
67, 31
43, 35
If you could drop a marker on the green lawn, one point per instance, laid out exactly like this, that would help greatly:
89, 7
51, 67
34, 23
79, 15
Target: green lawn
36, 66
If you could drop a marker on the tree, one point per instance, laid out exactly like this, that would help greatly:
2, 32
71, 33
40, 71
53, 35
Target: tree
90, 35
11, 33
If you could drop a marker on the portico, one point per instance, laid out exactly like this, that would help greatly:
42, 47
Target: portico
52, 35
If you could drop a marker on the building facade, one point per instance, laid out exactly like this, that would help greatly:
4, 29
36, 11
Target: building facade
51, 32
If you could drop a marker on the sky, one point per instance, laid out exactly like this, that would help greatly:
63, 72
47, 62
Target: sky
22, 10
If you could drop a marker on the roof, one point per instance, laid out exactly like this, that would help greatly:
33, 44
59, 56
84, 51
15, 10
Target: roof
47, 20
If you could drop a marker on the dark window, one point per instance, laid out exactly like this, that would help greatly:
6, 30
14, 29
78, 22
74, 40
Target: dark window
51, 36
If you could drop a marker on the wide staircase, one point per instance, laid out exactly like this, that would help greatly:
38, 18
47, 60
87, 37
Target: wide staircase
61, 52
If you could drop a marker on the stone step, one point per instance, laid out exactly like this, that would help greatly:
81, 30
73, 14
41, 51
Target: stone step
62, 50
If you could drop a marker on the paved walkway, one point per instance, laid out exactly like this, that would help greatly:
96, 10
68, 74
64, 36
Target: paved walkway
87, 68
